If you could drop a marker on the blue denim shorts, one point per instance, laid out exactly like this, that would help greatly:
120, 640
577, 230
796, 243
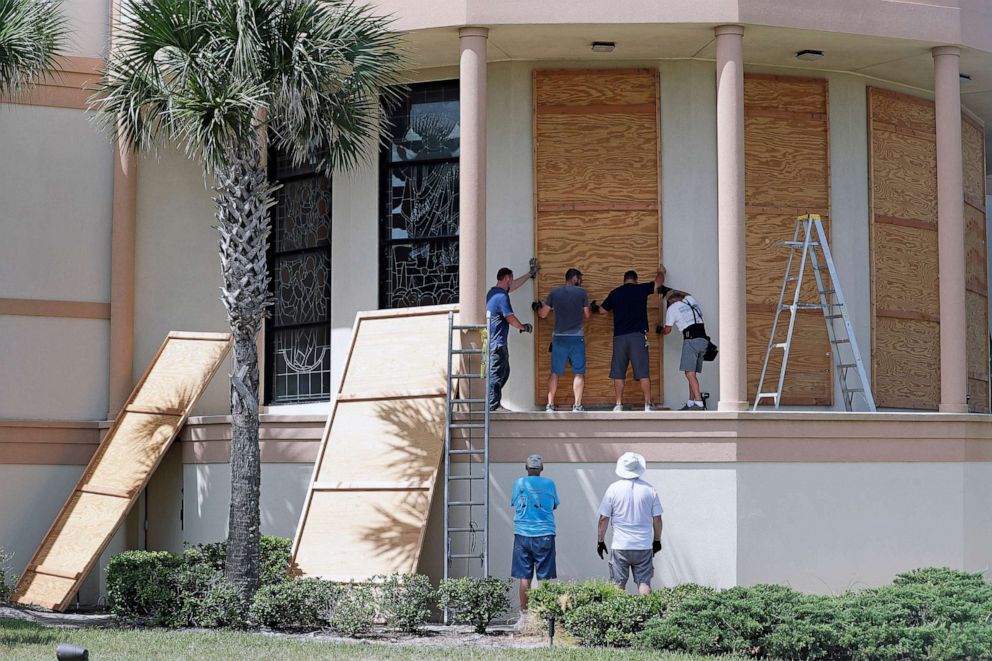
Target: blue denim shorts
571, 348
534, 554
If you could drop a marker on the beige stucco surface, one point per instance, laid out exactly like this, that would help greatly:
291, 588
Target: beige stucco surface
53, 369
89, 27
56, 187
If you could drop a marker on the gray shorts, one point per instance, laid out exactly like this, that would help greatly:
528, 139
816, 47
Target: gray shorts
640, 562
692, 354
631, 349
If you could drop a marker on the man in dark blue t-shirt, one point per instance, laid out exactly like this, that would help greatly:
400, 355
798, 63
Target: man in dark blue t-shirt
629, 305
501, 317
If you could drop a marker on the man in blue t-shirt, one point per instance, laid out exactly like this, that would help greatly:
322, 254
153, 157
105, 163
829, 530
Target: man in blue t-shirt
629, 305
501, 317
570, 304
534, 501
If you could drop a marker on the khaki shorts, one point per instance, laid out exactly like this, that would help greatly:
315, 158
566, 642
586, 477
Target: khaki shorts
692, 354
624, 562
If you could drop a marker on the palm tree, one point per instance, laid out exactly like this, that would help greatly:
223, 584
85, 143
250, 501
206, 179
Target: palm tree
226, 80
32, 32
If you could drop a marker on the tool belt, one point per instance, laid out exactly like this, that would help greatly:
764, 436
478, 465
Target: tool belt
694, 332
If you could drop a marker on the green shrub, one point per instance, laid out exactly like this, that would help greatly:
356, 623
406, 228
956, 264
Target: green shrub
141, 586
303, 603
963, 642
405, 600
613, 621
273, 565
940, 577
204, 597
475, 601
354, 610
556, 599
7, 579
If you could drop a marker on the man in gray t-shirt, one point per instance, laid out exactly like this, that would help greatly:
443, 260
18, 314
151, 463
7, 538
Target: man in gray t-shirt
570, 303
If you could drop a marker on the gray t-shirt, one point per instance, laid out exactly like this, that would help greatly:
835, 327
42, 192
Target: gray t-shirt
567, 301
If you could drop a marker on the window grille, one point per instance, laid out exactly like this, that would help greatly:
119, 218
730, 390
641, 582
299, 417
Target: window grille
419, 199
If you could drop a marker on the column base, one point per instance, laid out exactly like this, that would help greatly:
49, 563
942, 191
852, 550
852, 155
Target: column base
732, 406
953, 408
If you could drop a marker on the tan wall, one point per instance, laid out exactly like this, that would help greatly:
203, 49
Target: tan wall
89, 27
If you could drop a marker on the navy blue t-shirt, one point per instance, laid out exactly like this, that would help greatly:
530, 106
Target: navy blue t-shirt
498, 304
629, 304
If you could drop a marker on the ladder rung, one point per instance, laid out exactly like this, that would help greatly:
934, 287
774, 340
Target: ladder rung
847, 365
466, 376
454, 478
780, 345
466, 503
809, 306
853, 389
845, 340
798, 244
468, 425
466, 530
466, 451
468, 401
834, 316
466, 351
828, 292
469, 327
766, 395
792, 278
459, 556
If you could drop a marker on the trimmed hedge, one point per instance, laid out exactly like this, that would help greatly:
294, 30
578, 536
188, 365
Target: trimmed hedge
301, 604
933, 613
475, 601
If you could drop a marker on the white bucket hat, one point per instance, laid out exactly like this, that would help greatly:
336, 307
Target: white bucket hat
631, 465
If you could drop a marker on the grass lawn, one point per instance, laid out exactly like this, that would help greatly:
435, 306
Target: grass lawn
26, 640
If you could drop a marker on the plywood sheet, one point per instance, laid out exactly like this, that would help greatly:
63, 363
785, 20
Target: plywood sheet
904, 176
976, 314
808, 376
976, 255
901, 111
596, 203
121, 467
787, 173
367, 504
906, 277
973, 152
978, 396
907, 363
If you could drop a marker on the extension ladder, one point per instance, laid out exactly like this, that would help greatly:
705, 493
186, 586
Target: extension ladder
466, 448
810, 241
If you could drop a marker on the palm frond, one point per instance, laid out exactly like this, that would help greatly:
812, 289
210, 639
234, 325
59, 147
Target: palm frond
32, 32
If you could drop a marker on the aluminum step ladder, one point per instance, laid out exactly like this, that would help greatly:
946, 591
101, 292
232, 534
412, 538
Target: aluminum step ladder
810, 241
466, 450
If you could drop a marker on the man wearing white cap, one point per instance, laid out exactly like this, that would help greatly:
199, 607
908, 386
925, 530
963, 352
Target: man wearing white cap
534, 502
635, 510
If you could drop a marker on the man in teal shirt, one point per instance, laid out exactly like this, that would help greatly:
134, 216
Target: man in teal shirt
534, 501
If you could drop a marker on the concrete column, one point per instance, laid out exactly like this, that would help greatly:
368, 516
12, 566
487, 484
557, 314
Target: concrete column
472, 176
730, 210
950, 230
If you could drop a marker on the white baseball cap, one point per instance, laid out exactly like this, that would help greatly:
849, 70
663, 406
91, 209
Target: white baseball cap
631, 465
535, 461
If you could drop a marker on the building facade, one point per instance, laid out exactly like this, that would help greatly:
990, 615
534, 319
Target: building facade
695, 140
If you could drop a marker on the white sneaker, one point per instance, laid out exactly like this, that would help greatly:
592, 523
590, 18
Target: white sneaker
578, 408
550, 408
648, 406
618, 408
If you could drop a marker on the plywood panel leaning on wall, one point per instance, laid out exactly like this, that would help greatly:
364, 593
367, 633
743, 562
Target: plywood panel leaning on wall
786, 173
596, 204
976, 265
904, 292
121, 467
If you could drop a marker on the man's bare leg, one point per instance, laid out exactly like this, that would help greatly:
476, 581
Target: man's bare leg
578, 385
646, 390
694, 394
524, 589
618, 387
644, 589
552, 388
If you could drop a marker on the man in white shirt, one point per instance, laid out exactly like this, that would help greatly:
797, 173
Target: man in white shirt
685, 314
633, 506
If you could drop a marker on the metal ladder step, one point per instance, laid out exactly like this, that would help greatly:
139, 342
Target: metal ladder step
462, 478
466, 451
456, 556
467, 376
466, 351
478, 400
466, 503
468, 425
466, 529
464, 327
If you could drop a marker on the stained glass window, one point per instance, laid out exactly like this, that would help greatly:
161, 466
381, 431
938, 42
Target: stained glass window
298, 335
419, 205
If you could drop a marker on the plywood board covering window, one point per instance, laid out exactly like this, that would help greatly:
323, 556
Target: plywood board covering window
786, 173
904, 269
596, 204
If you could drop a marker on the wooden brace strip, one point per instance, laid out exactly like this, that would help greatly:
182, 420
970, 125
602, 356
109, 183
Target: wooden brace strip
58, 573
154, 410
371, 485
105, 491
408, 394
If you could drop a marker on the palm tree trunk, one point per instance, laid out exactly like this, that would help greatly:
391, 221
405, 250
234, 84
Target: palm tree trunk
244, 196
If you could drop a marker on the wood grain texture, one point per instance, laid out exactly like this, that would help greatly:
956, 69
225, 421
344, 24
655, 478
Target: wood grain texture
978, 396
973, 156
808, 376
906, 273
586, 163
907, 363
386, 436
976, 255
787, 173
121, 467
904, 181
977, 336
901, 110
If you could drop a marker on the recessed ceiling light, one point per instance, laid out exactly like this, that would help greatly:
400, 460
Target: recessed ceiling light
603, 46
809, 55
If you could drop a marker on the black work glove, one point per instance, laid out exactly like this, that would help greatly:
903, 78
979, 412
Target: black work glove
533, 268
655, 546
659, 329
528, 328
594, 306
601, 549
536, 305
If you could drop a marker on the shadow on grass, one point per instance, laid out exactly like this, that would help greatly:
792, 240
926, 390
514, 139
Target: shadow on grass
17, 633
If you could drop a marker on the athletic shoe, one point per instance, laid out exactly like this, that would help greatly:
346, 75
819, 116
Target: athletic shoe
689, 406
648, 406
618, 408
578, 408
550, 408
